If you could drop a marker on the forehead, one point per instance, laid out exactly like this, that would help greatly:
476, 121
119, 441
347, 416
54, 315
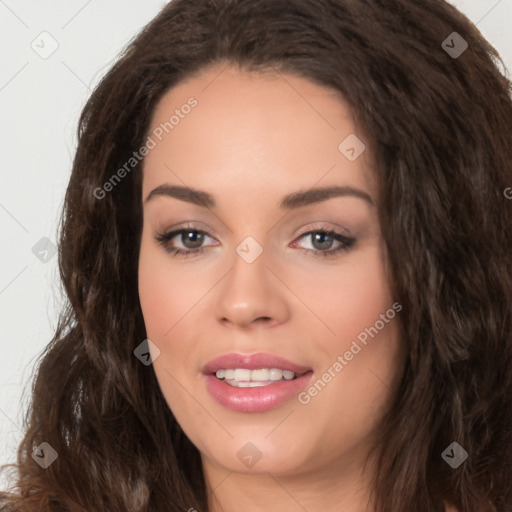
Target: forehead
249, 131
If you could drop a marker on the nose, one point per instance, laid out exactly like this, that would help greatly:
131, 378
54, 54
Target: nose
252, 294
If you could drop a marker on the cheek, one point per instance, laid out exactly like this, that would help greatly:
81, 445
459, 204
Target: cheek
359, 324
346, 299
361, 361
164, 294
166, 302
158, 301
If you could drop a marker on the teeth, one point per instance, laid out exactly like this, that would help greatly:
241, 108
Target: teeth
243, 377
260, 375
276, 374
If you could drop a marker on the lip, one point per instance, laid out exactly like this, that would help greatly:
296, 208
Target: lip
257, 399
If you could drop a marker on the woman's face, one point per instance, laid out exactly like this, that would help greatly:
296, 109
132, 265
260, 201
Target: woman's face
304, 317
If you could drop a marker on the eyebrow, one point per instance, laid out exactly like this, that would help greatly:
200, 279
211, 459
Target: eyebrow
292, 201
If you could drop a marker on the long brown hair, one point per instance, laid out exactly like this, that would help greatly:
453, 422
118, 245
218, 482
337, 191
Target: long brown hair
439, 126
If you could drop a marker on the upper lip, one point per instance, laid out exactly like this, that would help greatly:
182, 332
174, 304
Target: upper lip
252, 362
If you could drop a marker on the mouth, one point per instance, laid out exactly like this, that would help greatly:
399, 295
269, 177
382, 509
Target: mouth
254, 382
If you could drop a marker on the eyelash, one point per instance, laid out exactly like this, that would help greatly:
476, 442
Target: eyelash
163, 239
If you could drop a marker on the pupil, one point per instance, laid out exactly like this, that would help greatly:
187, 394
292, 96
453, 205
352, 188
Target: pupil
321, 238
193, 236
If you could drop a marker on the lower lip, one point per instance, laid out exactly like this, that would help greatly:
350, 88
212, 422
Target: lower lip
257, 399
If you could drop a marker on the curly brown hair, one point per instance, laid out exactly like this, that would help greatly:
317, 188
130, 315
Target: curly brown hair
440, 133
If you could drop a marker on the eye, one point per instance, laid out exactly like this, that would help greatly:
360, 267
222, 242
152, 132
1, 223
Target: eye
192, 240
322, 241
190, 237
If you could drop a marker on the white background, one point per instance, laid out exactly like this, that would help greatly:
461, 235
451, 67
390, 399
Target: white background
40, 101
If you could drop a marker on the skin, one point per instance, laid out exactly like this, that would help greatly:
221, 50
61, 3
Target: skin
252, 139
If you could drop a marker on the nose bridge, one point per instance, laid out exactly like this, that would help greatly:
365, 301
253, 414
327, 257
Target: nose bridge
250, 290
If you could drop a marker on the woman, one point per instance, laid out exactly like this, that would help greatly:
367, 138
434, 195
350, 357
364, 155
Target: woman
333, 332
